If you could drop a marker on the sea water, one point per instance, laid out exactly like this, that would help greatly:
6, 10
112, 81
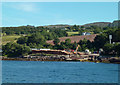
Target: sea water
58, 72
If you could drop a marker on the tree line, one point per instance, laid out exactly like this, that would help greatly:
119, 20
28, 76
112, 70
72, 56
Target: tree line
100, 41
36, 37
37, 40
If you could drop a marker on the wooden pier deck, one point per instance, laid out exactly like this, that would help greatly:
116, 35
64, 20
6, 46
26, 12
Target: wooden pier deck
58, 52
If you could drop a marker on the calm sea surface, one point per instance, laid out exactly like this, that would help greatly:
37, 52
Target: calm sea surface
58, 72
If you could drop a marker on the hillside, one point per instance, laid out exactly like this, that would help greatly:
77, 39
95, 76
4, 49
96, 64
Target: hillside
99, 24
75, 38
56, 26
115, 23
12, 38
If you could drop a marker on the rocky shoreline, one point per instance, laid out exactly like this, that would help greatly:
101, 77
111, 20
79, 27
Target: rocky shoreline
112, 60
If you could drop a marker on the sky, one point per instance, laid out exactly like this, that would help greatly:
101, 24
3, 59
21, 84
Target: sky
51, 13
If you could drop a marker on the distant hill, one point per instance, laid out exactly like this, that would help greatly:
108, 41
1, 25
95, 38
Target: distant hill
57, 26
99, 24
115, 23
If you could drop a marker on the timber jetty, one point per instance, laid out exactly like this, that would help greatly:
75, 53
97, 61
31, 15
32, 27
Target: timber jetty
62, 55
68, 55
48, 51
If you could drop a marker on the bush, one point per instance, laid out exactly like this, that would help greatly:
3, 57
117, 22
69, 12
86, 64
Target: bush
15, 50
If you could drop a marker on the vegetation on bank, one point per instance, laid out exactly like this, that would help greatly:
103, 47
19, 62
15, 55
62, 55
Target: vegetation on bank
15, 50
36, 37
72, 33
9, 38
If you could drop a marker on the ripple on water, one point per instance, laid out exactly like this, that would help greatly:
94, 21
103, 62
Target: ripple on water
64, 72
23, 80
6, 78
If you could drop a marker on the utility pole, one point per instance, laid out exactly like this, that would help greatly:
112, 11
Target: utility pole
110, 38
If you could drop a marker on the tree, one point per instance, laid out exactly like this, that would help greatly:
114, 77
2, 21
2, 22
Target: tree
117, 48
116, 36
15, 50
97, 30
67, 41
36, 38
108, 48
22, 40
83, 44
80, 31
75, 27
82, 26
63, 46
74, 46
56, 41
100, 40
25, 50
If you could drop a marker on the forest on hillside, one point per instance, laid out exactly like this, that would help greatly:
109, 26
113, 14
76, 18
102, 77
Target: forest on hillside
36, 37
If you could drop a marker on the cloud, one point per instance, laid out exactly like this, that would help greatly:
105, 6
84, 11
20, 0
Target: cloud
22, 6
27, 7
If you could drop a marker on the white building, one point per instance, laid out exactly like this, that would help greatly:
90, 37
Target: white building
86, 33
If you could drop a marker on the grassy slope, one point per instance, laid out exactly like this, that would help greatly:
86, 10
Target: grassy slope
13, 38
72, 33
6, 39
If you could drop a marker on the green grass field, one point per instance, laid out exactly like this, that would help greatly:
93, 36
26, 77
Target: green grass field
72, 33
6, 39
